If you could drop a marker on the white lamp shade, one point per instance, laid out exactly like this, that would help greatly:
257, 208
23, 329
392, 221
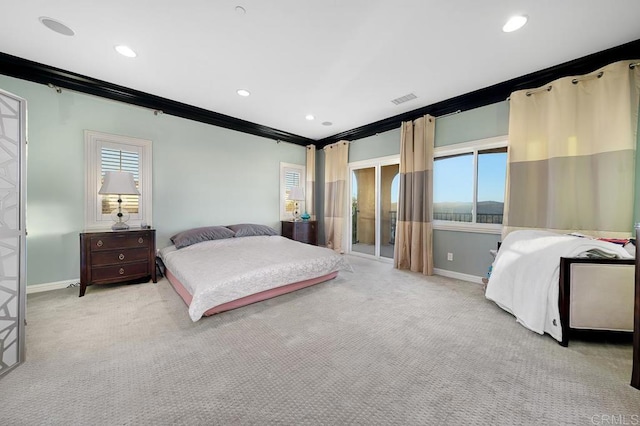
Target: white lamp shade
296, 193
120, 183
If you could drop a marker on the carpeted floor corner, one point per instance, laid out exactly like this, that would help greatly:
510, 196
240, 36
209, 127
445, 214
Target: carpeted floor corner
373, 347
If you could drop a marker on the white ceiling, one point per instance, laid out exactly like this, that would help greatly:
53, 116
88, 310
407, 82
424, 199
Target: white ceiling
342, 61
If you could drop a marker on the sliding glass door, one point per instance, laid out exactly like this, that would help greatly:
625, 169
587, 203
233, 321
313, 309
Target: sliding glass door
374, 205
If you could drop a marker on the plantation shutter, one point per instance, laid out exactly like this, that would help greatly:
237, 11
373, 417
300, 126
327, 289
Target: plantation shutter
119, 160
292, 178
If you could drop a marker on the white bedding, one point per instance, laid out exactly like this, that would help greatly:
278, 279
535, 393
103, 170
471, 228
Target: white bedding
219, 271
525, 276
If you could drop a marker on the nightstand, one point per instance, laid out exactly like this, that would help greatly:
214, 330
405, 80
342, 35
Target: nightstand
108, 257
305, 231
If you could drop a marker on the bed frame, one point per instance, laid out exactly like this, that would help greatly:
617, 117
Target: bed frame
596, 295
247, 300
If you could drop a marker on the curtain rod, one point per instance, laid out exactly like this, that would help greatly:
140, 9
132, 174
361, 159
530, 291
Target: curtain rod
447, 115
587, 77
576, 80
541, 89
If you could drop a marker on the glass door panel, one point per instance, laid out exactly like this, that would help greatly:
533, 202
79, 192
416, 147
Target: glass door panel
363, 210
389, 189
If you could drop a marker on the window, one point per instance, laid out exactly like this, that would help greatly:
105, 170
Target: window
290, 175
469, 184
120, 160
103, 153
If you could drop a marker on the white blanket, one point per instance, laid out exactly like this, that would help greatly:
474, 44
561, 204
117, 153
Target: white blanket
525, 276
219, 271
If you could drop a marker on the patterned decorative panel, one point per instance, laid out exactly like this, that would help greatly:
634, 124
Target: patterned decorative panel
11, 233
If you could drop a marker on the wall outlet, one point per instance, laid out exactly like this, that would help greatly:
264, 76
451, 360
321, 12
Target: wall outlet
450, 256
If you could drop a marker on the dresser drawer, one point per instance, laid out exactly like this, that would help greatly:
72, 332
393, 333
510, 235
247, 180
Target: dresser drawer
110, 257
110, 242
302, 231
120, 272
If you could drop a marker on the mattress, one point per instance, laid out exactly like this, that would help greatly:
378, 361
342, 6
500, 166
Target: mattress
221, 271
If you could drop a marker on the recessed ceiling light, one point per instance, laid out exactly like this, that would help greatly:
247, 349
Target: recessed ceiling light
56, 26
309, 117
243, 92
515, 23
327, 123
125, 51
240, 10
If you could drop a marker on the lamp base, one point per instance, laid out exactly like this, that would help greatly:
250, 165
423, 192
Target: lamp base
119, 226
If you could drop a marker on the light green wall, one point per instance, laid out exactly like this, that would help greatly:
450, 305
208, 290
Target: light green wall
202, 174
380, 145
479, 123
470, 250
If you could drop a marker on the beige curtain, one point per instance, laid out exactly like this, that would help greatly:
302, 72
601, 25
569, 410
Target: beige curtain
311, 181
572, 154
414, 229
335, 177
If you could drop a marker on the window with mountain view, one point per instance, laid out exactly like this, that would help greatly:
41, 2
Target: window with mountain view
468, 185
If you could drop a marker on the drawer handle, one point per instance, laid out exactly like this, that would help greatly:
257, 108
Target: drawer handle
121, 257
140, 240
99, 243
121, 271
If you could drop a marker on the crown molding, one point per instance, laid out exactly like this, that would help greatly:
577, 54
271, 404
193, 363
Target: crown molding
492, 94
24, 69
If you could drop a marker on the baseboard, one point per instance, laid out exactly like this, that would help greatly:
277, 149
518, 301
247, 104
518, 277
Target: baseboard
37, 288
457, 275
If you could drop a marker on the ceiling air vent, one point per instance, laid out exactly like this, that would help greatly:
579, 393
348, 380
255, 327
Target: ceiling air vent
403, 99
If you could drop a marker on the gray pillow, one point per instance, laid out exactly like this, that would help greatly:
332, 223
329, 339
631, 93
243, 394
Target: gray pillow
251, 230
197, 235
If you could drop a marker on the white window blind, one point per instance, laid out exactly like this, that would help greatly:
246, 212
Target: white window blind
291, 175
291, 178
125, 161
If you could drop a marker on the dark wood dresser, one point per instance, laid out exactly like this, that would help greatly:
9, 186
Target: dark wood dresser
108, 257
305, 231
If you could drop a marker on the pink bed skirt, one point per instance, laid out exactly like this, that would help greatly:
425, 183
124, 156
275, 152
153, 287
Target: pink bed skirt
253, 298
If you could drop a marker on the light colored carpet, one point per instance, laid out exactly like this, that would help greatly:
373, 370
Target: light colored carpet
378, 346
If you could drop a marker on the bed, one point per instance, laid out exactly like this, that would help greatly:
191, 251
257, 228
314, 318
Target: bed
223, 271
554, 283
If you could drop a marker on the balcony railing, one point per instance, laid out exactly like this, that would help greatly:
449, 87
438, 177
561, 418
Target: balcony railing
467, 217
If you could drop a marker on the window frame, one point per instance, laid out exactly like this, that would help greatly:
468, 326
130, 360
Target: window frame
284, 215
471, 147
94, 141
